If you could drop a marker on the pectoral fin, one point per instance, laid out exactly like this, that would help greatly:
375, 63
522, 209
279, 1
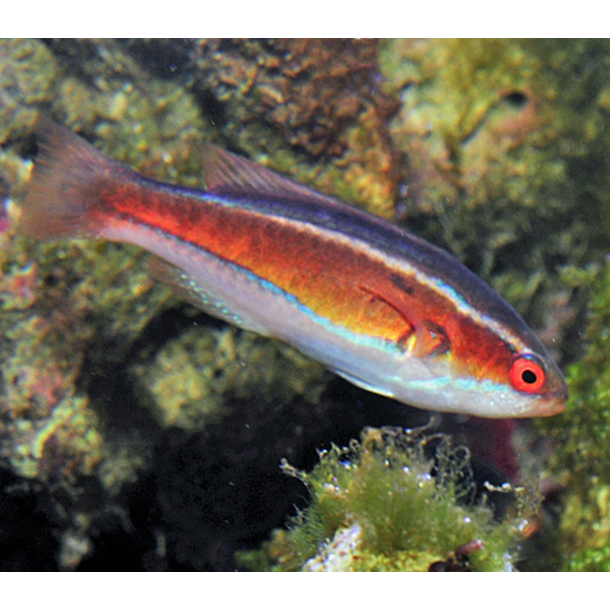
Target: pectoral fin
421, 337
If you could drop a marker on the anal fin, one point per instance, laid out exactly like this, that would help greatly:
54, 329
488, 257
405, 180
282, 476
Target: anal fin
200, 296
365, 385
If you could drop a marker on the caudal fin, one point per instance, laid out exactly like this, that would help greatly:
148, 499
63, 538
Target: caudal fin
64, 188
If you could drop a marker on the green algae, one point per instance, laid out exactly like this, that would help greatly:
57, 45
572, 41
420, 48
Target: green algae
387, 503
504, 149
580, 461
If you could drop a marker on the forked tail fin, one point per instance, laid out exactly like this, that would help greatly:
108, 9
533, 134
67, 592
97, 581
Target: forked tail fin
64, 189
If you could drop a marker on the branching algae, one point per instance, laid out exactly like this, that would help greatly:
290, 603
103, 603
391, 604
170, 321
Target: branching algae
395, 501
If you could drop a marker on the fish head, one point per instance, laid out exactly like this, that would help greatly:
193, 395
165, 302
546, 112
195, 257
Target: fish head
530, 385
488, 372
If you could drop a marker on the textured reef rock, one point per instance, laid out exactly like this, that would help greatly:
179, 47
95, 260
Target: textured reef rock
136, 432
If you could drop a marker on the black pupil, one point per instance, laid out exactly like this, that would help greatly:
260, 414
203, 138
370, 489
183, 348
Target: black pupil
529, 376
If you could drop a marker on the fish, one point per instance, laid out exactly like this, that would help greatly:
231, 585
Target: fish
379, 306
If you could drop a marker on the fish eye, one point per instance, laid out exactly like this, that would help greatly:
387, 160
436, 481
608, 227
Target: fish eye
527, 374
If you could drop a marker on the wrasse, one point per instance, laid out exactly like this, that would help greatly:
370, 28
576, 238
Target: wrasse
384, 309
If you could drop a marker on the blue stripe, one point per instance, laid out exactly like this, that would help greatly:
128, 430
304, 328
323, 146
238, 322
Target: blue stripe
459, 284
364, 340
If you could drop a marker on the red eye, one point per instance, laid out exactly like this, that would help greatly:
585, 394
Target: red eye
526, 374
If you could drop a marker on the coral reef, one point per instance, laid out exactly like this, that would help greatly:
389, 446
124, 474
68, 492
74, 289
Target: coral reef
105, 297
139, 434
323, 126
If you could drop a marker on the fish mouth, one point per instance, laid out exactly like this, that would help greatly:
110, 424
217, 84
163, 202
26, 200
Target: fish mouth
552, 404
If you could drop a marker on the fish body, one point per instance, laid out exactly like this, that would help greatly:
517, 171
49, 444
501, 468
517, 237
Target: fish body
388, 311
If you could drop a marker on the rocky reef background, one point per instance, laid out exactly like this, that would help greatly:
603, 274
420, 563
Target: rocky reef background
139, 433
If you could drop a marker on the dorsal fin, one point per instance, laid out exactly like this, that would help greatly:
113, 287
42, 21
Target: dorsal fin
229, 174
